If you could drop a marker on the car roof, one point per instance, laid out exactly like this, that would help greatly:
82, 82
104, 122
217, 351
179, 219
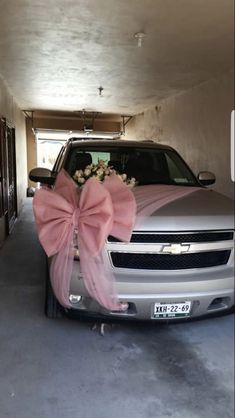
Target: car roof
74, 142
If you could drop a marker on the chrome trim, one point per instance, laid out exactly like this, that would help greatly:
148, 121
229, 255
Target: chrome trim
157, 248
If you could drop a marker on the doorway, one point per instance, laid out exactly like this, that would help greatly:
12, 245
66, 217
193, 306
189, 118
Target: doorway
8, 195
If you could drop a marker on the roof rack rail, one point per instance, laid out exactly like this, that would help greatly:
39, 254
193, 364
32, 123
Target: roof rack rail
92, 138
94, 135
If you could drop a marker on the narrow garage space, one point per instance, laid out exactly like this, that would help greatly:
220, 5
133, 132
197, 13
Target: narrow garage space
61, 368
141, 93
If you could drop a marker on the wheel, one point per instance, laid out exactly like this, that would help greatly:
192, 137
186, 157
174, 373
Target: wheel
52, 307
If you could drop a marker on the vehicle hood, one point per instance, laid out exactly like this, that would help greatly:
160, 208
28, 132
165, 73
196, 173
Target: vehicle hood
200, 210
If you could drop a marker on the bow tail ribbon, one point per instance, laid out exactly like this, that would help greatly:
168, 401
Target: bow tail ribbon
61, 269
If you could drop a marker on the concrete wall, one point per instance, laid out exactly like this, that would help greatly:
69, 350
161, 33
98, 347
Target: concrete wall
197, 124
10, 110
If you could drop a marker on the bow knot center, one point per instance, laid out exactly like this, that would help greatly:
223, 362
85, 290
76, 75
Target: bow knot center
75, 217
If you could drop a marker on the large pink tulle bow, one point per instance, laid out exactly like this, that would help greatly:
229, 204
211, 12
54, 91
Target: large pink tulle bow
96, 211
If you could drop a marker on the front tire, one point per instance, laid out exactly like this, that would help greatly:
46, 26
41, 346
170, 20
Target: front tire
53, 309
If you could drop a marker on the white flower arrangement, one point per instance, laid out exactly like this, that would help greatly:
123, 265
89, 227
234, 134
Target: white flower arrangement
100, 171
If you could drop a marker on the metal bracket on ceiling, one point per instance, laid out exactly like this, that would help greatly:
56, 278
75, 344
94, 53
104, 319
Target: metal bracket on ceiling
29, 114
125, 120
88, 119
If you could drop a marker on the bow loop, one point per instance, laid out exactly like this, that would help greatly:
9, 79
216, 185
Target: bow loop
124, 208
96, 217
53, 215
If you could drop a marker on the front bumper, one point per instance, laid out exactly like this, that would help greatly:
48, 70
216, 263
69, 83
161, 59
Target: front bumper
209, 292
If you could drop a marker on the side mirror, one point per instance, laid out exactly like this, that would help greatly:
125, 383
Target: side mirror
206, 178
41, 175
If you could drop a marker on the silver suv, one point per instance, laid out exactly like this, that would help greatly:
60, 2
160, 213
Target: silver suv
180, 262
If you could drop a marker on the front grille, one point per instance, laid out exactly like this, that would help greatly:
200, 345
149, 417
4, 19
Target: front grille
169, 261
178, 238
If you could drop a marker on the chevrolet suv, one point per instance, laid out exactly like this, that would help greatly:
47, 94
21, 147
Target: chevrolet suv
179, 262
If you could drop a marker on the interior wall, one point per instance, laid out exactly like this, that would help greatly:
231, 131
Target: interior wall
60, 124
10, 110
197, 124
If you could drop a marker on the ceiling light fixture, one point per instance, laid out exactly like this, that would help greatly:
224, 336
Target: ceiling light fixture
100, 91
139, 36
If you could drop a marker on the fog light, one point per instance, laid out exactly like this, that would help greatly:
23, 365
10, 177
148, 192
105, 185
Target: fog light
75, 298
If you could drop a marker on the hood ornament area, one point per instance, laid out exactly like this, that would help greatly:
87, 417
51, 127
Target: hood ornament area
175, 249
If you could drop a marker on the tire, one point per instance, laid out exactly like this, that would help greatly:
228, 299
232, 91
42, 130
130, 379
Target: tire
53, 309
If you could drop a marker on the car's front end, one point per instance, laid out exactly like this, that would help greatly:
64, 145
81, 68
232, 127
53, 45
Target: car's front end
179, 263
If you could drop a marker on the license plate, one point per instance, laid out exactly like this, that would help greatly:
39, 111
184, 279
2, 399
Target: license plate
171, 310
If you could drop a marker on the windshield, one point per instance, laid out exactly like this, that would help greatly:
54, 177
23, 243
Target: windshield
147, 165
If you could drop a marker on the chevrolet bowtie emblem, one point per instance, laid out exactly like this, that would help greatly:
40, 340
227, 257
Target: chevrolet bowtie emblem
175, 249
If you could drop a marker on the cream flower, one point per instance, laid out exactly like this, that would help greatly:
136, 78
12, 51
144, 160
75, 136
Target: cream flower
78, 173
87, 171
101, 163
81, 180
100, 172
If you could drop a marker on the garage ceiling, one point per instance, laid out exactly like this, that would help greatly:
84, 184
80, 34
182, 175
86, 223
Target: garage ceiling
55, 54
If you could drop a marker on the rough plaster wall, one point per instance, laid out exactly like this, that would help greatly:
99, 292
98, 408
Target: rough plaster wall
10, 110
197, 124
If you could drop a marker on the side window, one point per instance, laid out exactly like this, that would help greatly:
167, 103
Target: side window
59, 160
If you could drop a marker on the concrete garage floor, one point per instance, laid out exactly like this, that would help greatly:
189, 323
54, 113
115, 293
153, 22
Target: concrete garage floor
61, 369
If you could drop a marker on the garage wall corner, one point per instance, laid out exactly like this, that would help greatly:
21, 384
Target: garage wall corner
197, 124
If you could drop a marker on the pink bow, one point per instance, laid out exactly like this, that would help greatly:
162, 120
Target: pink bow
97, 211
